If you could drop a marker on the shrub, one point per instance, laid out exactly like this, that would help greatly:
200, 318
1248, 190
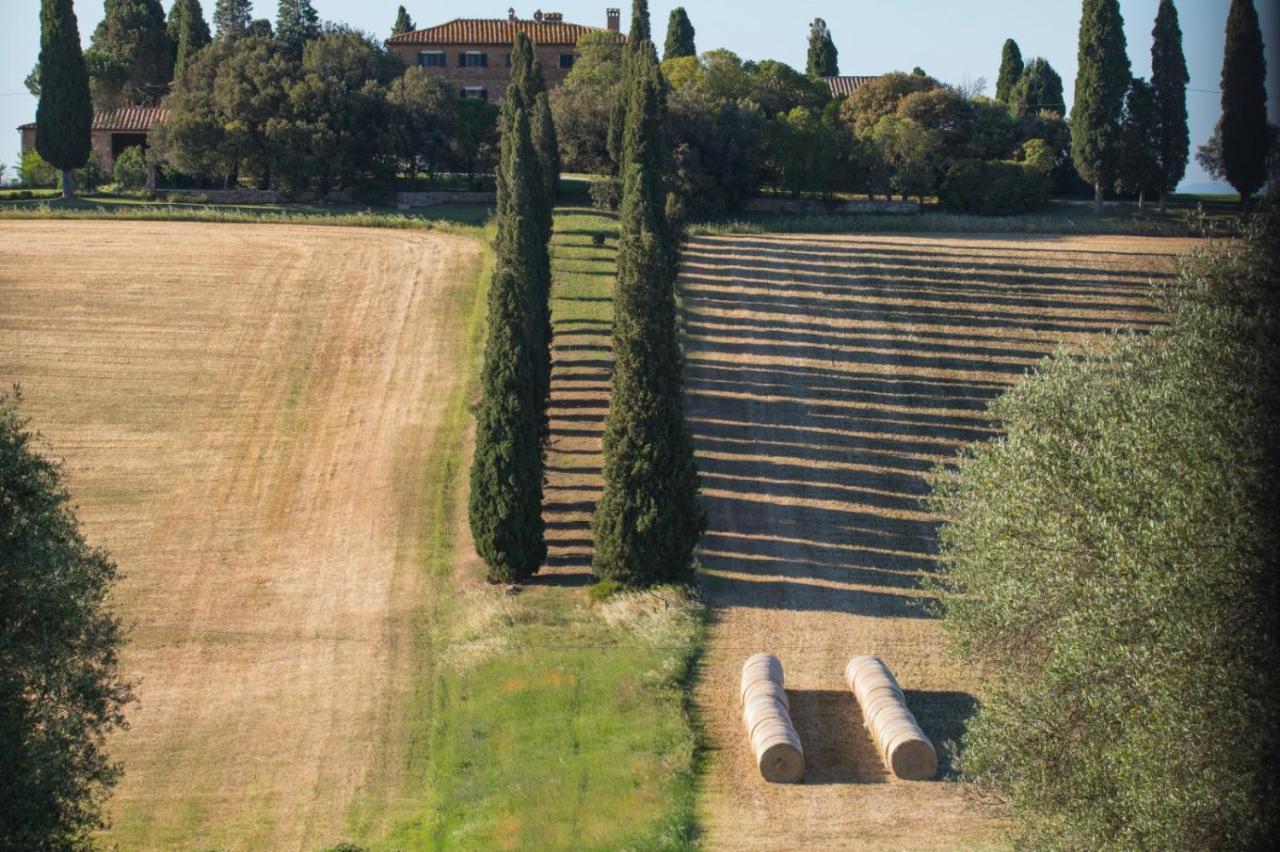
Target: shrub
994, 188
36, 173
606, 193
1109, 566
130, 170
598, 239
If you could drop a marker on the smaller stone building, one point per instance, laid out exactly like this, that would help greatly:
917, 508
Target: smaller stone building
474, 55
112, 132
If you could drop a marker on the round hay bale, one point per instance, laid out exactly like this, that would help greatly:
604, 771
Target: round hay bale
780, 762
764, 687
913, 759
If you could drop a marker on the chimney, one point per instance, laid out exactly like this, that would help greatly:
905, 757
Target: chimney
614, 19
552, 18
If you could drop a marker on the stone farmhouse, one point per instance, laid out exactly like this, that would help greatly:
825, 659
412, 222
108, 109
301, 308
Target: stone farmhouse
111, 132
474, 54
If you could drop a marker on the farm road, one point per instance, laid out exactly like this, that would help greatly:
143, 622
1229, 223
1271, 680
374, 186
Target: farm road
827, 375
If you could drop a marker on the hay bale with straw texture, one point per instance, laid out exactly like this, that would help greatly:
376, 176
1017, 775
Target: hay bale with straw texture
905, 749
766, 713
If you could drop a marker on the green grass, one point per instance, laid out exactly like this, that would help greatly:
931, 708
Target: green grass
1059, 218
556, 722
462, 218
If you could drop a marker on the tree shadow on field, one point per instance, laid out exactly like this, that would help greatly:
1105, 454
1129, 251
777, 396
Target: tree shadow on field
827, 378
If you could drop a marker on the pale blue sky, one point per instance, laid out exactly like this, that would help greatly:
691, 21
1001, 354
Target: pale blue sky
954, 42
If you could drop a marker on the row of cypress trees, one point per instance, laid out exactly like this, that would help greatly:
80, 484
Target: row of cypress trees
511, 420
1103, 83
648, 519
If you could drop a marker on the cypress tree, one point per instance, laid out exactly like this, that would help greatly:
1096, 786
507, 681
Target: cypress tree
188, 32
64, 115
1244, 102
525, 92
231, 17
506, 473
648, 519
679, 36
1169, 80
1102, 80
1010, 70
823, 60
133, 33
1139, 168
296, 24
1039, 88
639, 25
403, 24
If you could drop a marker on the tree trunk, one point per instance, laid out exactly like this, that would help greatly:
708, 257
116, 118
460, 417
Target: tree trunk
1142, 198
68, 184
1097, 197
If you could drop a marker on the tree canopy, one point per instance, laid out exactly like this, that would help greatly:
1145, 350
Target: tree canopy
1243, 125
60, 688
131, 61
1102, 79
403, 24
64, 115
679, 36
1010, 70
1039, 88
1169, 78
231, 17
823, 58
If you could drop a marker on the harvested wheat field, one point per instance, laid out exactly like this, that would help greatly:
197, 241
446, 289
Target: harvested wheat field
827, 375
246, 413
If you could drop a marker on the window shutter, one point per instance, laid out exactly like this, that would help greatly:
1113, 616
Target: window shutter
462, 60
484, 60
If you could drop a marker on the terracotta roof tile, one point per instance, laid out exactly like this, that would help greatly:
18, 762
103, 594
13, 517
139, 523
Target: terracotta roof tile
496, 31
136, 118
846, 85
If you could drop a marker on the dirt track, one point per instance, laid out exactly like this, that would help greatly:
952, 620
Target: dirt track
827, 375
244, 412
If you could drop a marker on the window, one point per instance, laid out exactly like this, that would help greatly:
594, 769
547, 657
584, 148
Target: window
431, 59
475, 92
473, 59
566, 60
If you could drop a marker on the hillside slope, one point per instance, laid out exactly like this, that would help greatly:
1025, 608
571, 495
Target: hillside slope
246, 413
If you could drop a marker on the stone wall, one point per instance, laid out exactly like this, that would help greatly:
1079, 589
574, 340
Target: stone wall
406, 200
815, 207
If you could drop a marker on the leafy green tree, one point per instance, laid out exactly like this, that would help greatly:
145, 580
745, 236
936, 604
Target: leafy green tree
1139, 172
679, 36
474, 145
506, 473
404, 24
547, 144
1244, 102
64, 115
912, 153
880, 97
420, 119
60, 688
296, 24
260, 28
777, 88
1010, 70
1039, 88
1102, 79
581, 105
648, 519
640, 32
804, 152
1169, 78
130, 168
188, 32
823, 58
1108, 568
231, 17
134, 56
32, 81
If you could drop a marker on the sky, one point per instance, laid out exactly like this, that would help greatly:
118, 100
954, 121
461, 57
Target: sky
957, 43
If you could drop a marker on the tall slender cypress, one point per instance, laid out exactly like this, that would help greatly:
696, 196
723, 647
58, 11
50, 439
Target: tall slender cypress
528, 84
1010, 70
1244, 102
296, 24
648, 519
64, 116
679, 36
823, 59
404, 24
506, 473
188, 32
1102, 81
1169, 80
